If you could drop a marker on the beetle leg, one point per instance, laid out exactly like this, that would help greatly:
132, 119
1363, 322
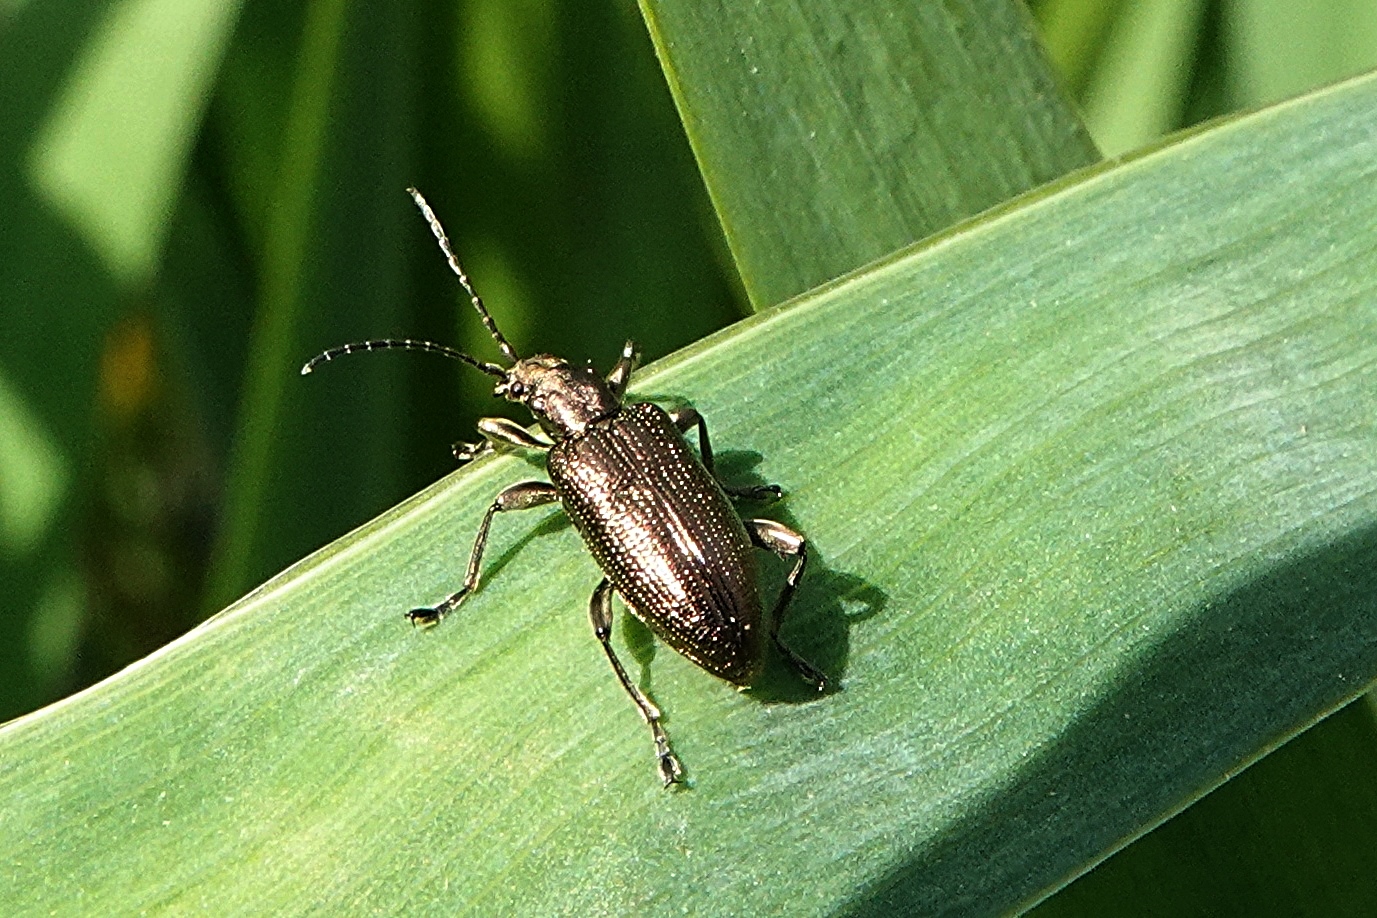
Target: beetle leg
600, 611
498, 433
621, 373
687, 416
786, 543
520, 496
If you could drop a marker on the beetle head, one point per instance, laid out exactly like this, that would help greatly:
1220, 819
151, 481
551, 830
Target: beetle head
564, 399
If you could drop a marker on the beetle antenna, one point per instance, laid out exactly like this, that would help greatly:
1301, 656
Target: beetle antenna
458, 270
404, 344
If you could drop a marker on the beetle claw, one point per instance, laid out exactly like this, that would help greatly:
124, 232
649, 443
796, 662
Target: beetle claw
670, 769
468, 452
762, 493
429, 616
668, 763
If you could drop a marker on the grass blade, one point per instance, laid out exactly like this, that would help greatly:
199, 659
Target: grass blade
832, 134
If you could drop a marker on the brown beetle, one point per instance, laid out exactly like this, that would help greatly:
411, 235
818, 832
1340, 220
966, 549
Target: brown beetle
654, 515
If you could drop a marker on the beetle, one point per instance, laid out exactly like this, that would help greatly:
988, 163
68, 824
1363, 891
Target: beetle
655, 516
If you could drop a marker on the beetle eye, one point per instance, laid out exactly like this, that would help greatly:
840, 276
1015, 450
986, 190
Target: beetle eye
516, 390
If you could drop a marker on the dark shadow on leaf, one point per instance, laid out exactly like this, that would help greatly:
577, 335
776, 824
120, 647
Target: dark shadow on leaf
826, 604
1199, 708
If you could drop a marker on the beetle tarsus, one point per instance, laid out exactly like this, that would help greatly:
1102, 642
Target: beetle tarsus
424, 618
670, 770
621, 373
808, 671
427, 617
600, 613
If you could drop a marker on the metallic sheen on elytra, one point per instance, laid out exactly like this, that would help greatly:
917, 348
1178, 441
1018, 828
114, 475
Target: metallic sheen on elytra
654, 515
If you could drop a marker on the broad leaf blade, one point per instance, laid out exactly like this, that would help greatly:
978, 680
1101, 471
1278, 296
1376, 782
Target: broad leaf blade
1091, 487
831, 134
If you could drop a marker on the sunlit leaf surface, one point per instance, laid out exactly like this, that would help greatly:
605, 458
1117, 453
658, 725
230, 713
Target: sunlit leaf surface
1091, 488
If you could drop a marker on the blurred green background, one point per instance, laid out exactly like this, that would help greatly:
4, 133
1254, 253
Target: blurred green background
156, 274
155, 461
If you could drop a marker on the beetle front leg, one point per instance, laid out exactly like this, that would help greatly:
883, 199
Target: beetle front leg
687, 416
600, 612
786, 543
498, 433
521, 496
621, 373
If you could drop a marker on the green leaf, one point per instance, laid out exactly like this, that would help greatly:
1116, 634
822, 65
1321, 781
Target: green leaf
1145, 69
830, 135
1090, 486
1283, 50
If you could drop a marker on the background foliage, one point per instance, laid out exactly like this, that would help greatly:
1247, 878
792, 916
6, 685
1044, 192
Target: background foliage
154, 466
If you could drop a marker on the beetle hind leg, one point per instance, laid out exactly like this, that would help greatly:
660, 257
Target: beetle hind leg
686, 417
786, 543
600, 612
